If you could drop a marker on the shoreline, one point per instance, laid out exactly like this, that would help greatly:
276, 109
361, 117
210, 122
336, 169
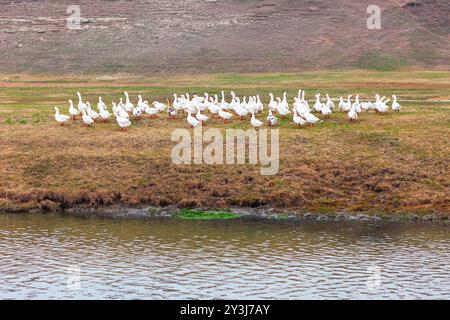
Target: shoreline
265, 214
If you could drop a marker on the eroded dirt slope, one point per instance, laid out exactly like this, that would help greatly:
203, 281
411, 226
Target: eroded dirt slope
223, 35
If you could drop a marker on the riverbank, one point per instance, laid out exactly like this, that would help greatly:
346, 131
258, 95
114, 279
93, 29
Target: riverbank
388, 164
239, 213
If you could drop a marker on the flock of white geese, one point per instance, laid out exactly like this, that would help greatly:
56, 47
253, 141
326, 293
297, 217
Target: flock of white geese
197, 107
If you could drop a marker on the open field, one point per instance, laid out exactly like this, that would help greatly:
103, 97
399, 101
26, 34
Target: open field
398, 162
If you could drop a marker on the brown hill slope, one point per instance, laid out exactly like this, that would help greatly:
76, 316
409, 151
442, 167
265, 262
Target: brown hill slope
221, 36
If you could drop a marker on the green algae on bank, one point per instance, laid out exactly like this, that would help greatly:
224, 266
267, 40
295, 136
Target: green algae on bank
205, 215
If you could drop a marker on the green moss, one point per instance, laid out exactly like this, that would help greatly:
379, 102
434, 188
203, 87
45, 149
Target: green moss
205, 215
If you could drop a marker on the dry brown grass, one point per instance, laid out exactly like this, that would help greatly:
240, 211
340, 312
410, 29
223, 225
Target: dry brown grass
383, 163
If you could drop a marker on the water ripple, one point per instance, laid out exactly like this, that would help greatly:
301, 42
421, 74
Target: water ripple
55, 257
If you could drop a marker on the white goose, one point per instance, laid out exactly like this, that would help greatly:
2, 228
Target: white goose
128, 105
159, 105
329, 103
367, 106
152, 111
255, 122
214, 106
347, 105
382, 106
352, 114
123, 122
81, 105
94, 115
74, 112
282, 108
101, 104
318, 105
326, 111
201, 117
224, 115
273, 105
311, 119
104, 114
395, 105
171, 111
271, 119
60, 118
177, 104
298, 120
356, 104
191, 120
87, 120
137, 113
341, 105
223, 104
303, 101
240, 110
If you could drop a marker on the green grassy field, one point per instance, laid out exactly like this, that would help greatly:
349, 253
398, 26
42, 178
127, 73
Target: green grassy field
382, 163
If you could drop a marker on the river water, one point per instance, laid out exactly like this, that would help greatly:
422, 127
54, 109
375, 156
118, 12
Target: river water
56, 257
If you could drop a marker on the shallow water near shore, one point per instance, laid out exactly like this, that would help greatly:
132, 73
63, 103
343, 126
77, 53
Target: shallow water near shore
56, 256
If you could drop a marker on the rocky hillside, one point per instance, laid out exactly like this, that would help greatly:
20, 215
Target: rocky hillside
221, 35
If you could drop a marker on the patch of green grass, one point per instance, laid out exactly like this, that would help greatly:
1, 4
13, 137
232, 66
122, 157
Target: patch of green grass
9, 121
205, 215
381, 62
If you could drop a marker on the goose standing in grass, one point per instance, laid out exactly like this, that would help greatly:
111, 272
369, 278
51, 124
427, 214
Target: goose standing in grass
326, 111
282, 109
283, 105
137, 113
273, 105
255, 122
94, 115
395, 105
214, 108
140, 103
311, 119
224, 115
60, 118
382, 106
152, 111
347, 105
303, 101
240, 110
74, 112
223, 104
171, 110
367, 106
318, 105
121, 105
191, 120
356, 104
271, 119
201, 117
352, 114
101, 104
177, 104
159, 105
341, 105
115, 108
123, 122
87, 120
104, 114
329, 103
298, 120
128, 105
81, 105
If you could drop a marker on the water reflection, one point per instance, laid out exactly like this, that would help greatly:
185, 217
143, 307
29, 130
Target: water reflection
40, 256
